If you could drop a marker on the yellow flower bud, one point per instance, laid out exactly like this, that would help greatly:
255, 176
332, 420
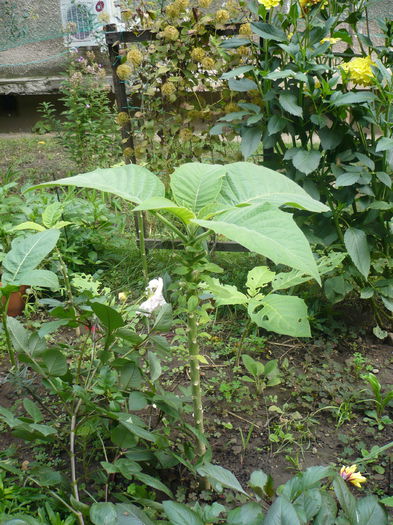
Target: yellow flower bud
170, 33
122, 118
168, 89
245, 29
134, 56
123, 71
208, 63
198, 54
221, 16
122, 297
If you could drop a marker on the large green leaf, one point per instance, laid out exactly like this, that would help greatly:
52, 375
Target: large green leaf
346, 499
288, 102
43, 278
268, 231
250, 513
370, 512
306, 161
225, 293
248, 183
281, 314
282, 512
108, 316
128, 514
132, 183
103, 514
26, 254
220, 475
251, 138
356, 244
161, 203
194, 185
180, 514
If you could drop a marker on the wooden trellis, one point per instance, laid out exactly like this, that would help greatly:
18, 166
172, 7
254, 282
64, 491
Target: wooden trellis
114, 39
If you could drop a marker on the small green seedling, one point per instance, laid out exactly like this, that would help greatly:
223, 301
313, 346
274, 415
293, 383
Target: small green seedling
376, 416
262, 375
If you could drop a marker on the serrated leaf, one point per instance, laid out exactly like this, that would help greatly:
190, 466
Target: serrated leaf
339, 99
52, 214
109, 317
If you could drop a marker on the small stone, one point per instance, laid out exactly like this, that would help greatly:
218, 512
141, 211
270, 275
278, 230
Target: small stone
314, 450
375, 371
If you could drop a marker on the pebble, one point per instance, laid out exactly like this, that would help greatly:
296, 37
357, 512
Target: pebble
375, 370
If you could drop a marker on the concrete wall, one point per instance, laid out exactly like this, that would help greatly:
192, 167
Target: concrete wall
38, 21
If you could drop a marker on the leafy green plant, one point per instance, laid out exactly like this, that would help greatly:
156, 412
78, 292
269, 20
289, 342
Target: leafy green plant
20, 268
317, 495
323, 114
87, 128
241, 201
380, 402
261, 375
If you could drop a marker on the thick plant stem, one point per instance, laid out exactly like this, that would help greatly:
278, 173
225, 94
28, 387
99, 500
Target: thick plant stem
74, 482
142, 247
196, 380
241, 342
10, 348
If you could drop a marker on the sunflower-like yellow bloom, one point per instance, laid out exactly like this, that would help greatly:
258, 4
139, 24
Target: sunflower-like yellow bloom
198, 54
123, 71
135, 56
360, 70
349, 474
170, 33
221, 16
268, 4
231, 107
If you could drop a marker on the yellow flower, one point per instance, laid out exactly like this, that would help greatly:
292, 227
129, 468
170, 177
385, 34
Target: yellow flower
243, 50
245, 29
122, 118
221, 16
359, 70
208, 63
135, 56
172, 10
331, 40
304, 4
127, 152
41, 142
168, 89
231, 107
185, 134
122, 297
268, 4
204, 3
349, 474
290, 35
170, 33
127, 14
198, 54
123, 71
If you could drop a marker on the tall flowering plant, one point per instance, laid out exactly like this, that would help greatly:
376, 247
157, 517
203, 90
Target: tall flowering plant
325, 92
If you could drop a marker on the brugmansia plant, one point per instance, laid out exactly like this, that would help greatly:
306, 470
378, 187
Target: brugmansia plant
241, 201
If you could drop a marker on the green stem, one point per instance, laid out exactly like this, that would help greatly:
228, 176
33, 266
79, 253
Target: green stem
74, 482
172, 227
196, 380
142, 247
240, 347
10, 348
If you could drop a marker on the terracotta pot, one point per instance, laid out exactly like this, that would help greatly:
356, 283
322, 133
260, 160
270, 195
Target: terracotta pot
17, 302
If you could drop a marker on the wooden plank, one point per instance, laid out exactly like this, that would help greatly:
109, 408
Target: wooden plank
219, 246
119, 89
119, 37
